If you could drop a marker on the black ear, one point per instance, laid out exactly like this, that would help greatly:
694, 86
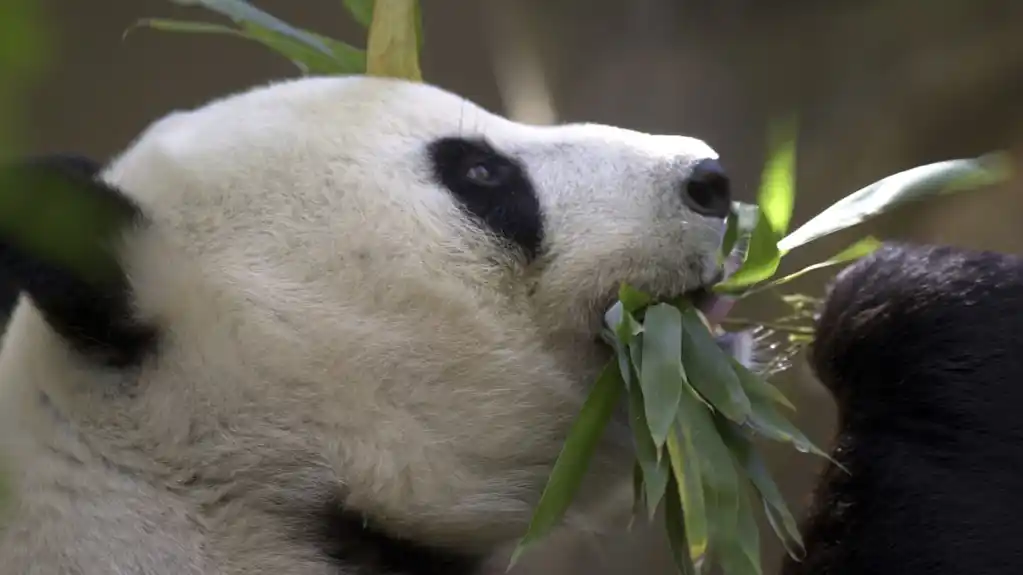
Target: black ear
58, 226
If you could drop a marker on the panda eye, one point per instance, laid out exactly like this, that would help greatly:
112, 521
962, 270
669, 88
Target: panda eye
479, 174
486, 174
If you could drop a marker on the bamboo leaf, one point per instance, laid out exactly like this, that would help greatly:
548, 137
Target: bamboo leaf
638, 498
660, 375
361, 11
777, 195
862, 248
720, 481
736, 244
241, 12
38, 199
755, 386
935, 179
708, 370
767, 421
573, 461
740, 552
685, 466
656, 469
752, 463
677, 535
632, 299
344, 59
761, 261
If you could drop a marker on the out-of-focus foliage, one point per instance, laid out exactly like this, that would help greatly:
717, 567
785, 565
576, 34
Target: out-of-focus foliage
394, 36
22, 54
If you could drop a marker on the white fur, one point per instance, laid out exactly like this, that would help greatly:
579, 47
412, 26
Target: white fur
334, 323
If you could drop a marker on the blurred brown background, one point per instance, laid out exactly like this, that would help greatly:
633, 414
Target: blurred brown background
880, 86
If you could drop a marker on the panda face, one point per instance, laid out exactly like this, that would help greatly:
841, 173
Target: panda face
376, 293
360, 175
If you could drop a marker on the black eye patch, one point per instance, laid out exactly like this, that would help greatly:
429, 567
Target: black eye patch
492, 188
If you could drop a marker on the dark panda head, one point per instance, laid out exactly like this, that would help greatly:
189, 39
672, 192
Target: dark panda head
925, 332
922, 347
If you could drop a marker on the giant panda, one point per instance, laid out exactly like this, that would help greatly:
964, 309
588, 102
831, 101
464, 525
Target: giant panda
922, 349
350, 323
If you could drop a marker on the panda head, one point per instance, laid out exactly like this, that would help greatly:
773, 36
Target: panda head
910, 332
364, 293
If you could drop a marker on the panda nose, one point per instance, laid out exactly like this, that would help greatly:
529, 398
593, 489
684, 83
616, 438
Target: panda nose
707, 190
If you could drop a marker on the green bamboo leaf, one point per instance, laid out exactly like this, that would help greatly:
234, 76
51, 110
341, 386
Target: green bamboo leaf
625, 367
656, 469
361, 11
755, 386
351, 60
775, 199
677, 535
767, 421
192, 27
633, 299
55, 216
740, 552
622, 323
659, 375
708, 370
761, 261
638, 499
573, 461
719, 478
241, 12
935, 179
752, 463
344, 58
735, 246
685, 466
862, 248
777, 195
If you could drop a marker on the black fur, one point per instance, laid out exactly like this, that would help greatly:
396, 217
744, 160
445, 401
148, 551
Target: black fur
922, 348
95, 319
505, 201
352, 541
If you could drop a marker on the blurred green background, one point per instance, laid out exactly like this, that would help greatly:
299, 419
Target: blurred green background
880, 86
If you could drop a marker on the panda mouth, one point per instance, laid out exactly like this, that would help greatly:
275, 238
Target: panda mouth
714, 307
